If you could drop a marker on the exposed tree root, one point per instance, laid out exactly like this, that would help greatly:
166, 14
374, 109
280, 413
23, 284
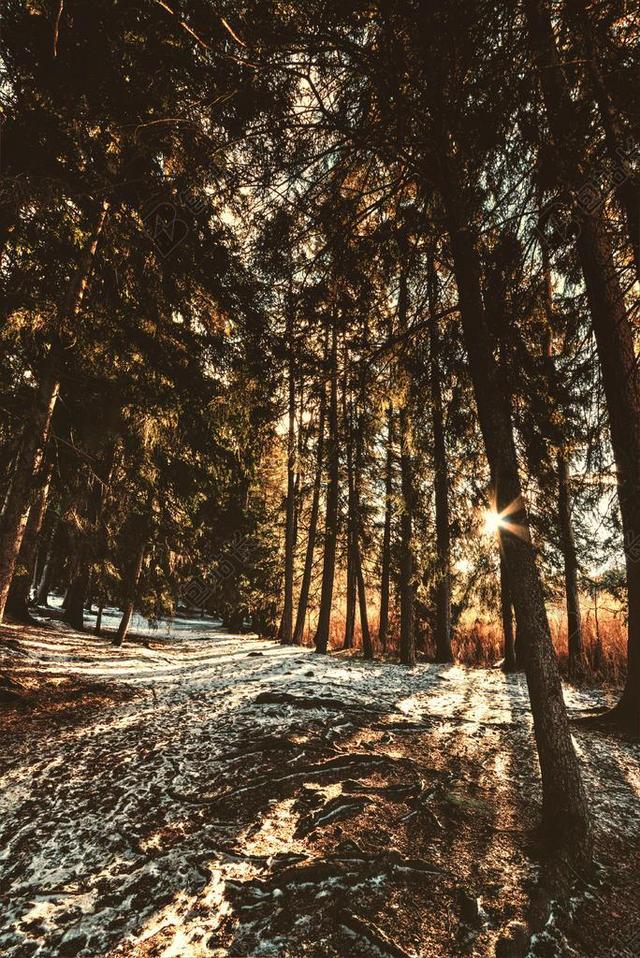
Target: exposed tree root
366, 931
332, 768
316, 702
335, 810
618, 719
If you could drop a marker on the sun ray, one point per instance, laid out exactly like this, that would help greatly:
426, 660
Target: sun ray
494, 521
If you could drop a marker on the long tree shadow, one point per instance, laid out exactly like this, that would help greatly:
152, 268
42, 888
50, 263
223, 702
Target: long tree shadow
246, 818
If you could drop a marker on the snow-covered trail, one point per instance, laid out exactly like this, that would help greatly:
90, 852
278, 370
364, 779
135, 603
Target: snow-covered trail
260, 800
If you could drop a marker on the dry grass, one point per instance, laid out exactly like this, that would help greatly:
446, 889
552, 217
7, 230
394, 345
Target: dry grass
478, 642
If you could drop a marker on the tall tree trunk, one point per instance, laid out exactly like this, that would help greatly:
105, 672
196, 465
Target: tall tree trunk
132, 594
18, 598
303, 598
16, 507
25, 479
407, 563
77, 593
331, 514
98, 626
574, 627
443, 544
506, 611
286, 624
567, 541
350, 617
367, 643
44, 583
81, 579
613, 332
565, 808
350, 611
385, 575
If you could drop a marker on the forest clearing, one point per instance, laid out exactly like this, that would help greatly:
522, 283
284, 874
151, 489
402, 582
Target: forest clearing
319, 478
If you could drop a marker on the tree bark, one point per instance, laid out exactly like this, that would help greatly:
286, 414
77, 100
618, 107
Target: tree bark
367, 643
613, 332
98, 626
565, 809
18, 598
13, 519
506, 610
443, 543
385, 575
567, 541
286, 624
350, 613
352, 585
44, 584
407, 562
303, 598
80, 582
132, 595
321, 640
77, 593
574, 626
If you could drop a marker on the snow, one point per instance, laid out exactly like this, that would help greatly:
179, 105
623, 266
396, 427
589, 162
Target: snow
113, 829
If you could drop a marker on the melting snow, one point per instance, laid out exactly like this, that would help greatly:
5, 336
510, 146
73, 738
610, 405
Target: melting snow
99, 852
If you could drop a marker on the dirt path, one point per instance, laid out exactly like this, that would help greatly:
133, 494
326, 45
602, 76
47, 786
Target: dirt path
255, 800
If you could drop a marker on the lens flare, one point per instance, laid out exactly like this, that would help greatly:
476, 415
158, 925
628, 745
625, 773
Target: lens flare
492, 522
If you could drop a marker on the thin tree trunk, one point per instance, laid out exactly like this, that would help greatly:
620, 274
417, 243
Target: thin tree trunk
567, 541
367, 644
385, 576
565, 808
303, 599
286, 624
18, 598
443, 543
98, 627
132, 595
15, 512
80, 582
42, 591
331, 514
407, 563
350, 617
350, 613
506, 610
613, 332
574, 627
301, 448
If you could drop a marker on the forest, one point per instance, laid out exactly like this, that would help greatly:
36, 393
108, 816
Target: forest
320, 478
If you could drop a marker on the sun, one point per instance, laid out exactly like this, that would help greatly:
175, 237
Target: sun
492, 522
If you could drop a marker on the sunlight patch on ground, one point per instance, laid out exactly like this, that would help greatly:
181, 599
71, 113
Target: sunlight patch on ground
276, 831
97, 806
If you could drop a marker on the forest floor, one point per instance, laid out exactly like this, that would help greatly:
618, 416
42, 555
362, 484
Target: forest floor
216, 795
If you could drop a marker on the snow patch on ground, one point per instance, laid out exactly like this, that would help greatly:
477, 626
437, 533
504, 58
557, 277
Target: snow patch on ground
107, 840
